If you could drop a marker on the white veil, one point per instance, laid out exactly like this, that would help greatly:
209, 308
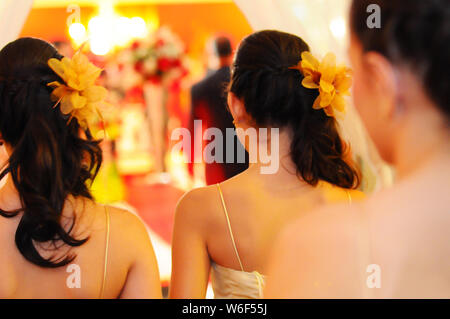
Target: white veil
323, 24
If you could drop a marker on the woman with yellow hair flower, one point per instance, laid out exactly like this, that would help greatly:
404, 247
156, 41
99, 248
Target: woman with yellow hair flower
333, 82
78, 95
250, 210
59, 242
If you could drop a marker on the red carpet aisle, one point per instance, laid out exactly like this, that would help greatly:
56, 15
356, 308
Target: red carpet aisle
155, 204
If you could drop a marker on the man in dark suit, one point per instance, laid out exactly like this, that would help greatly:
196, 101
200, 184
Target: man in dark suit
209, 104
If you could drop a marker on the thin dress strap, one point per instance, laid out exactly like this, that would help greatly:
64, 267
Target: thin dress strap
260, 281
105, 267
229, 227
349, 197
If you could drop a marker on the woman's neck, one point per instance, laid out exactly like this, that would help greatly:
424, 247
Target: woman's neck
284, 177
9, 197
424, 138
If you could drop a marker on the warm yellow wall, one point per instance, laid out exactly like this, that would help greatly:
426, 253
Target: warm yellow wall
64, 3
194, 23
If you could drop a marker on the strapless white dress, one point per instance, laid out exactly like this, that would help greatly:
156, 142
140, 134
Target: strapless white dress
230, 283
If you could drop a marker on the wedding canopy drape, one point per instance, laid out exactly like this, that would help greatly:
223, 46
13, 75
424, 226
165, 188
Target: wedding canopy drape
323, 24
13, 14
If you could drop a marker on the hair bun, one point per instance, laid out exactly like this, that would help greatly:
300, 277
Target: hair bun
275, 100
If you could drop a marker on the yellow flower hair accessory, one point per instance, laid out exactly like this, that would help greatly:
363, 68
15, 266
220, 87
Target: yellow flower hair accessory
78, 95
333, 82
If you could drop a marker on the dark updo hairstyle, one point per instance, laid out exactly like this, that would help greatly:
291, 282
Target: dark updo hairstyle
50, 160
414, 33
274, 96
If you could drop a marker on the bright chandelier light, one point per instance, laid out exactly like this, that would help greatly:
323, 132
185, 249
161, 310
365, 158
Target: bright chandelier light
109, 30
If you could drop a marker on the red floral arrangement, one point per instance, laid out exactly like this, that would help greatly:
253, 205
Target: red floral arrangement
158, 58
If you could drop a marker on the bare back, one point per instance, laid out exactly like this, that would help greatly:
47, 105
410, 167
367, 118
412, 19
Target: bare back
258, 216
258, 211
394, 245
410, 240
102, 267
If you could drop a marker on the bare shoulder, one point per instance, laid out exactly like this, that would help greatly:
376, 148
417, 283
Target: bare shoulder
198, 205
331, 223
317, 256
196, 195
123, 215
335, 194
357, 195
128, 220
127, 223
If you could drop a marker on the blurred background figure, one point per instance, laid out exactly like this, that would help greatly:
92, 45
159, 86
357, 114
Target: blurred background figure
209, 104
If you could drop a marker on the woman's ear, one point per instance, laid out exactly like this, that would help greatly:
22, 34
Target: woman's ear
4, 153
385, 86
237, 108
